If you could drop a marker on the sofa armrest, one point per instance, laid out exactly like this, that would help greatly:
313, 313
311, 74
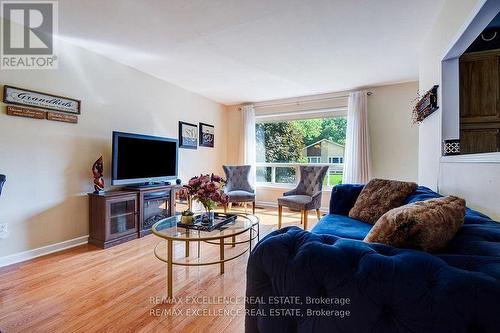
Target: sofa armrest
343, 198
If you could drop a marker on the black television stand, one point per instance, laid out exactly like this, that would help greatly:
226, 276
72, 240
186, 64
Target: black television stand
147, 185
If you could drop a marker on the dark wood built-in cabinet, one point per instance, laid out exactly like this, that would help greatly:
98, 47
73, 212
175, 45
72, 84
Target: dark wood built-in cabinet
480, 102
118, 216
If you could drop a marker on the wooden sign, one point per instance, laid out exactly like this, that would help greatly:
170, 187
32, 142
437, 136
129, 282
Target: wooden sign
25, 112
426, 105
19, 96
67, 118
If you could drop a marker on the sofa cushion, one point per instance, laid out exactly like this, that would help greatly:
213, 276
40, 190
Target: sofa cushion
378, 197
342, 226
425, 225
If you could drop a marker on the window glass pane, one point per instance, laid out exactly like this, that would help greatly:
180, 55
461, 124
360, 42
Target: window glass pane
264, 174
285, 175
307, 141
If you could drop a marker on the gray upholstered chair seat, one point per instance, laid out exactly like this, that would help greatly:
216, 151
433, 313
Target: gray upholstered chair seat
240, 196
295, 201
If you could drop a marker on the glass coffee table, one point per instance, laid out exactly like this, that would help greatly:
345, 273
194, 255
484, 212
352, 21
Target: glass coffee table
167, 229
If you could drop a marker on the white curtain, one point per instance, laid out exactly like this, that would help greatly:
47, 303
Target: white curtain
357, 148
248, 142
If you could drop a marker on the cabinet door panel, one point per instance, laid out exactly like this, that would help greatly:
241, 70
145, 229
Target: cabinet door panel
122, 217
474, 141
479, 89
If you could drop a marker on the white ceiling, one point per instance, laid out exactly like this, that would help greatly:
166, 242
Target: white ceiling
233, 51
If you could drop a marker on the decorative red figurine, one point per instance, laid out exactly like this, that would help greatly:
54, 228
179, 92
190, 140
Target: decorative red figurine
97, 170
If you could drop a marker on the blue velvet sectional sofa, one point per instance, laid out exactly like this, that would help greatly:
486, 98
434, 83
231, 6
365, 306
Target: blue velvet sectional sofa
296, 279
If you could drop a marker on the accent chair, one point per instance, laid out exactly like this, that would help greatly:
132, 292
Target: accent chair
306, 196
238, 187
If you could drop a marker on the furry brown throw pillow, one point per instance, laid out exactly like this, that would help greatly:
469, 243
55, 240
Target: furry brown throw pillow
378, 197
424, 225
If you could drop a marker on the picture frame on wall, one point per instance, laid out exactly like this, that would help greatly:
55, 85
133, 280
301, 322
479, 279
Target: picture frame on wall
207, 135
188, 135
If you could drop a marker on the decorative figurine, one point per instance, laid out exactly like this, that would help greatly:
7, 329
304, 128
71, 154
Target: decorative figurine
97, 170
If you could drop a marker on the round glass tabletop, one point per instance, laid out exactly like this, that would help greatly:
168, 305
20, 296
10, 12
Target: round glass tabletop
168, 229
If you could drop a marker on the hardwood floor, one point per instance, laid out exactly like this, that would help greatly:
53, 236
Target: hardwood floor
87, 289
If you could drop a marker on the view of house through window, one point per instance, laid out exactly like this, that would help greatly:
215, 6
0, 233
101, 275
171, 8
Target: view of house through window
282, 146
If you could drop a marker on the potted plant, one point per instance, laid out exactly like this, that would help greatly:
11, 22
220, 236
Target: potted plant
187, 217
209, 191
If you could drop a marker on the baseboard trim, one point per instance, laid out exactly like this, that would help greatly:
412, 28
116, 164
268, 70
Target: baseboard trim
42, 251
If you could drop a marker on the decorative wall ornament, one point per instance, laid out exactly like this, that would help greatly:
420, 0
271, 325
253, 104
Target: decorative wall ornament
97, 171
207, 135
425, 105
66, 118
19, 96
451, 147
188, 135
25, 112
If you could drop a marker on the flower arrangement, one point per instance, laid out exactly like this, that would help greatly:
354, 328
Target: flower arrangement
208, 190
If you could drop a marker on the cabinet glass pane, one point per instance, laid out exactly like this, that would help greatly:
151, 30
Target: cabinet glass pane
121, 223
122, 207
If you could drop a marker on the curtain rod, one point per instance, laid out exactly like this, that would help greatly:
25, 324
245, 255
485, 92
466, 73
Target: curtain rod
286, 114
369, 93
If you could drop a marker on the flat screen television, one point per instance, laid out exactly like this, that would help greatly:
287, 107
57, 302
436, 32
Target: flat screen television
143, 159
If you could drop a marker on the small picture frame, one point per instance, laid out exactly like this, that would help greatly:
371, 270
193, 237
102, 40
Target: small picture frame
207, 135
188, 135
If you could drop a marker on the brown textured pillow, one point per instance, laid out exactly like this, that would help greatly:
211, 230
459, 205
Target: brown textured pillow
424, 225
378, 197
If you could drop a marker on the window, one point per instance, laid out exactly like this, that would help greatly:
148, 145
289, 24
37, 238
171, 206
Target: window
336, 160
283, 145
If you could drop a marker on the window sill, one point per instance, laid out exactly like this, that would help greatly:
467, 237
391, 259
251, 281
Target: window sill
472, 158
285, 187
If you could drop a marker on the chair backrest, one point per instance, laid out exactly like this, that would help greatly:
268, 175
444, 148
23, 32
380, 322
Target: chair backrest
2, 181
237, 178
311, 179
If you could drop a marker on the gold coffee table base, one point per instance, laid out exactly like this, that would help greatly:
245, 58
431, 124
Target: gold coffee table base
219, 240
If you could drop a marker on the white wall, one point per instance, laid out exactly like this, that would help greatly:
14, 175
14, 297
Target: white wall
394, 139
48, 163
478, 183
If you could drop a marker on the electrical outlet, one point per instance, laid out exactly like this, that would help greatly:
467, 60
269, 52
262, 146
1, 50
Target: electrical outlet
4, 230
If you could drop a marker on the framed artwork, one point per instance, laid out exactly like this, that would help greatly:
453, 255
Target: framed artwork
30, 98
207, 135
188, 135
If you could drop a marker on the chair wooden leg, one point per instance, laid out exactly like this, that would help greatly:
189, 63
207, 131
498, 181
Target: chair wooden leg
318, 214
305, 220
225, 209
253, 207
230, 206
301, 216
280, 212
